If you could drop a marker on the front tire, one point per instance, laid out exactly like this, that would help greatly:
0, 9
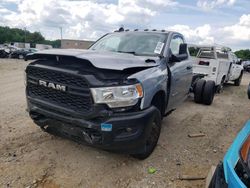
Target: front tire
208, 93
238, 81
152, 137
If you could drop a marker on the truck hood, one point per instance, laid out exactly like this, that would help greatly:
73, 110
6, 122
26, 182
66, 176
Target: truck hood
103, 60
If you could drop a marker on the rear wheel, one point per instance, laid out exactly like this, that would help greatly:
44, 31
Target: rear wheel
198, 90
152, 137
238, 81
208, 93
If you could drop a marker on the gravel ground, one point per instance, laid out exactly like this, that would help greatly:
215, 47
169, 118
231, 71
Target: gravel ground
32, 158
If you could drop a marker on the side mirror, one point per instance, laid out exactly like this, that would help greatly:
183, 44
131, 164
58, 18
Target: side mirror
239, 62
183, 54
173, 58
182, 57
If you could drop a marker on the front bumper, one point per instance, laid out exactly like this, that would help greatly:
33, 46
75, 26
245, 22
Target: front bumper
226, 172
127, 134
218, 180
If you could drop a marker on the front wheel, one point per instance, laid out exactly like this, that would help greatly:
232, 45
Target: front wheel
238, 81
152, 137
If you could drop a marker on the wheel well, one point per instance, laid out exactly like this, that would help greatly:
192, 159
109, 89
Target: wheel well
159, 101
241, 74
223, 78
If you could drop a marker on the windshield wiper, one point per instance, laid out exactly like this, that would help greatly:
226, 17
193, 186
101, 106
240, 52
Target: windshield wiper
135, 53
131, 52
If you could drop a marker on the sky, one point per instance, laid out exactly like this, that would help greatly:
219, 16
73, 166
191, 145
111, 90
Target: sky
224, 22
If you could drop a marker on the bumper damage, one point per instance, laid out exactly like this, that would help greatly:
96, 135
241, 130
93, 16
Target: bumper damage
119, 132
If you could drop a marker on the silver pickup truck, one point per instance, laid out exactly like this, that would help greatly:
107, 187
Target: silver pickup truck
115, 94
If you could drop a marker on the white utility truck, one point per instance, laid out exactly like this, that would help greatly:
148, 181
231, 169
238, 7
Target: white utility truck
218, 64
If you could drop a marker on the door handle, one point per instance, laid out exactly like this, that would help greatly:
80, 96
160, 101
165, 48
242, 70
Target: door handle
189, 67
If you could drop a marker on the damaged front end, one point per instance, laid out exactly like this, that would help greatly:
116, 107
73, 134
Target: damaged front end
60, 100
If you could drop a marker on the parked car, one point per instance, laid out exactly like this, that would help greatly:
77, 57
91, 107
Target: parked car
114, 95
234, 171
218, 64
4, 53
246, 65
22, 53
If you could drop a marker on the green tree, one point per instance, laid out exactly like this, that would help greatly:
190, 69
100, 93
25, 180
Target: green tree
8, 35
193, 51
243, 54
54, 43
35, 37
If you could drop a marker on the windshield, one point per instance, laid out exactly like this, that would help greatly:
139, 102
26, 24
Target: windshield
206, 53
137, 43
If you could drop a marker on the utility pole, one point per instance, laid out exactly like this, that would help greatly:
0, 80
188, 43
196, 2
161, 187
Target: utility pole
61, 35
24, 34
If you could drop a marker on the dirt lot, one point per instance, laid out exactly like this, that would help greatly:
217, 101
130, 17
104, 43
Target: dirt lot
32, 158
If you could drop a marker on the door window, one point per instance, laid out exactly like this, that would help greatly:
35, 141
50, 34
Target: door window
235, 59
222, 54
175, 44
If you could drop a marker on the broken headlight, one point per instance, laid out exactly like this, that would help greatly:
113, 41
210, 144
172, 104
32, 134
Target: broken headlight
245, 152
242, 168
116, 97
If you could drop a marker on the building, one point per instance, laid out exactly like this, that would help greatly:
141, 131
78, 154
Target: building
20, 44
77, 44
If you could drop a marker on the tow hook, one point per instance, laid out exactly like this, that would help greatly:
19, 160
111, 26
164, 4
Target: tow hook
87, 138
91, 138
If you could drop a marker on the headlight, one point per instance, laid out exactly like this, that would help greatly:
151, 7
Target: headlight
120, 96
245, 152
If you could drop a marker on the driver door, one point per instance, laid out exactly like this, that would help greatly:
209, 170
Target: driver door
181, 74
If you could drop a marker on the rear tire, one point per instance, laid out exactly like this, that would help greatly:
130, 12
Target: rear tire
198, 90
208, 93
152, 138
238, 81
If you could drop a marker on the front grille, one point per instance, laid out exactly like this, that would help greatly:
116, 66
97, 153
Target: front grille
77, 97
57, 77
